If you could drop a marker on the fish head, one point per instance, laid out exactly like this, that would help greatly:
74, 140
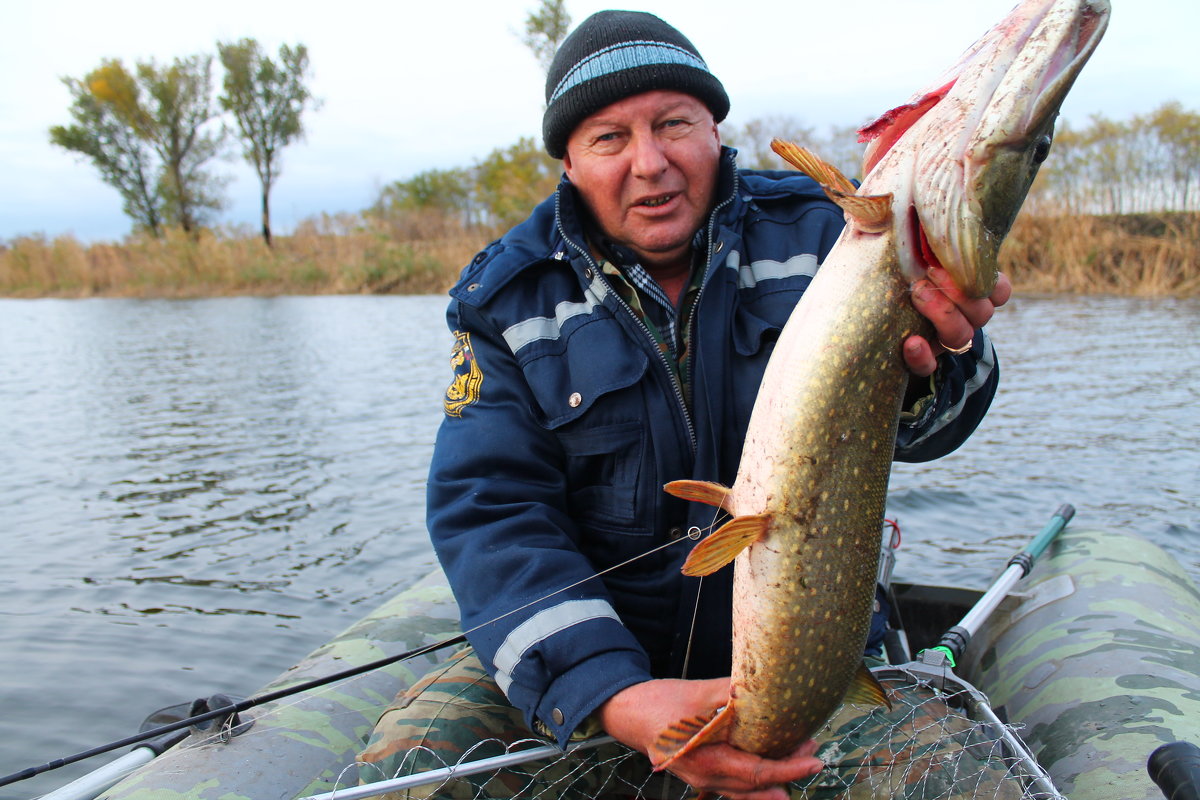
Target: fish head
962, 155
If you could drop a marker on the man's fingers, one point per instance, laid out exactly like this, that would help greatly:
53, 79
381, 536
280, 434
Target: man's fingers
742, 776
939, 306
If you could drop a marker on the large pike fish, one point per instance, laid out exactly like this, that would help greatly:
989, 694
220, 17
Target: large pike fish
946, 174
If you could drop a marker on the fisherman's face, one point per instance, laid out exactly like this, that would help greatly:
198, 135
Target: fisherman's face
647, 168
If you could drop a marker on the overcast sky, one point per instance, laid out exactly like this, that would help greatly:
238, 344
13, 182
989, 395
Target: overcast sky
410, 86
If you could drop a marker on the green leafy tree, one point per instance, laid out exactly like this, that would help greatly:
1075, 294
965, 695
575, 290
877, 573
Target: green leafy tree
111, 128
447, 191
146, 132
267, 99
545, 29
514, 179
178, 110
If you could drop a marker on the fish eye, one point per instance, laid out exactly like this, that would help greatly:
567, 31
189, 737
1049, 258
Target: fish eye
1041, 150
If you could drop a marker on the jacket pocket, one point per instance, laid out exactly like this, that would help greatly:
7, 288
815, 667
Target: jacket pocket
603, 465
586, 388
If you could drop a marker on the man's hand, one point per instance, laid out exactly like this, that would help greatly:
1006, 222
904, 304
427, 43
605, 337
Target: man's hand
954, 316
637, 715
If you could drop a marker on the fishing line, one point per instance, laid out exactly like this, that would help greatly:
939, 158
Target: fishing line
249, 703
694, 533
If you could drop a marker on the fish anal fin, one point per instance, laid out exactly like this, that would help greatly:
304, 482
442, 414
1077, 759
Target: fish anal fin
870, 213
865, 690
686, 735
723, 546
714, 494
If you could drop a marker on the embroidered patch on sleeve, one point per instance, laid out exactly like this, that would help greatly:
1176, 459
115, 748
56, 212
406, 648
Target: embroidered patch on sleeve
468, 377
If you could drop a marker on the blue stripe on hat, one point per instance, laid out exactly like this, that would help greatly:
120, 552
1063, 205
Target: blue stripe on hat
625, 56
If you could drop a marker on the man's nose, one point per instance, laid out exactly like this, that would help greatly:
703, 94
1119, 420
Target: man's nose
649, 156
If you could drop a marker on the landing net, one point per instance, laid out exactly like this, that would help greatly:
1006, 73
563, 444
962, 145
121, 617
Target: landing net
934, 743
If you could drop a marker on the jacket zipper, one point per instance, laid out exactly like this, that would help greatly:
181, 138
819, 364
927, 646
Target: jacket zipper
708, 263
662, 358
675, 383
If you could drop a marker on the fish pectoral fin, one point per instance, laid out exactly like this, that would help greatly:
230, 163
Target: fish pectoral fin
812, 165
714, 494
723, 546
865, 690
871, 213
686, 735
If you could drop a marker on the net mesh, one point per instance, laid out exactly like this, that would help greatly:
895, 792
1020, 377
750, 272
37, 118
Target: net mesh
926, 747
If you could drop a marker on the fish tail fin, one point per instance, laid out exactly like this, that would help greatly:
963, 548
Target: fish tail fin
686, 735
866, 690
871, 213
723, 546
713, 494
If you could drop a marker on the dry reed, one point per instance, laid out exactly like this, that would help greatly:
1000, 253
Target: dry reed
1148, 255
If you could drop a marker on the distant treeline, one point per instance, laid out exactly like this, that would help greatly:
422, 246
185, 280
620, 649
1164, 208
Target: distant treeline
1115, 209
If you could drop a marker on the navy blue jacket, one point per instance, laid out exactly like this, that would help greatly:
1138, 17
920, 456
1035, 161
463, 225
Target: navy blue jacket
564, 422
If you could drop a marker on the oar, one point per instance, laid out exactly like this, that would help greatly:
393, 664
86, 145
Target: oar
226, 711
101, 778
955, 640
1175, 767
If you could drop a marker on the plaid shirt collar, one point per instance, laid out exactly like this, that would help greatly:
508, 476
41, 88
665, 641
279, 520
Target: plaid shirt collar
647, 299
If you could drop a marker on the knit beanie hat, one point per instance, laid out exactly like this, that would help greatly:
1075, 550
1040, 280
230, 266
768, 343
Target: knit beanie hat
613, 55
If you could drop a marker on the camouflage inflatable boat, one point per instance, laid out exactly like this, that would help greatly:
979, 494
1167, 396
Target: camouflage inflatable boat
1093, 663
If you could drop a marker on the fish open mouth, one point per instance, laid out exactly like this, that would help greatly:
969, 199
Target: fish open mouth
926, 257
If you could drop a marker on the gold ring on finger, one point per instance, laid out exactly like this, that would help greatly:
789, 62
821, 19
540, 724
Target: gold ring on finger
958, 351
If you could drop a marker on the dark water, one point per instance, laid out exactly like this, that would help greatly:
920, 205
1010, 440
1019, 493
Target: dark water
195, 494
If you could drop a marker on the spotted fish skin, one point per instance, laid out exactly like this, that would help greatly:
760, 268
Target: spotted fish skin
946, 175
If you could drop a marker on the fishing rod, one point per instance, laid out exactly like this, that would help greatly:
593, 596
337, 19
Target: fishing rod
227, 711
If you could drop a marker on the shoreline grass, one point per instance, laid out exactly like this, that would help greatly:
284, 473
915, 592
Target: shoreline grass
1152, 255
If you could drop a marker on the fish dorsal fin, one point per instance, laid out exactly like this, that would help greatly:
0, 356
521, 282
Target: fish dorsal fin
871, 213
865, 690
714, 494
723, 546
686, 735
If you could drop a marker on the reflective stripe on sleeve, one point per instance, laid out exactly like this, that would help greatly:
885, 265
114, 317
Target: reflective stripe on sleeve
542, 626
754, 273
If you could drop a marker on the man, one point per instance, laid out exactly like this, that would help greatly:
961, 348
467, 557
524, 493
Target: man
611, 343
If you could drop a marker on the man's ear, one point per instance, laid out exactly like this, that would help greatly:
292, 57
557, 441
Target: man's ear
566, 162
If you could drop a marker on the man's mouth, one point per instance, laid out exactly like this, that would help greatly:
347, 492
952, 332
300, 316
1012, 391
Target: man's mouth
655, 202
